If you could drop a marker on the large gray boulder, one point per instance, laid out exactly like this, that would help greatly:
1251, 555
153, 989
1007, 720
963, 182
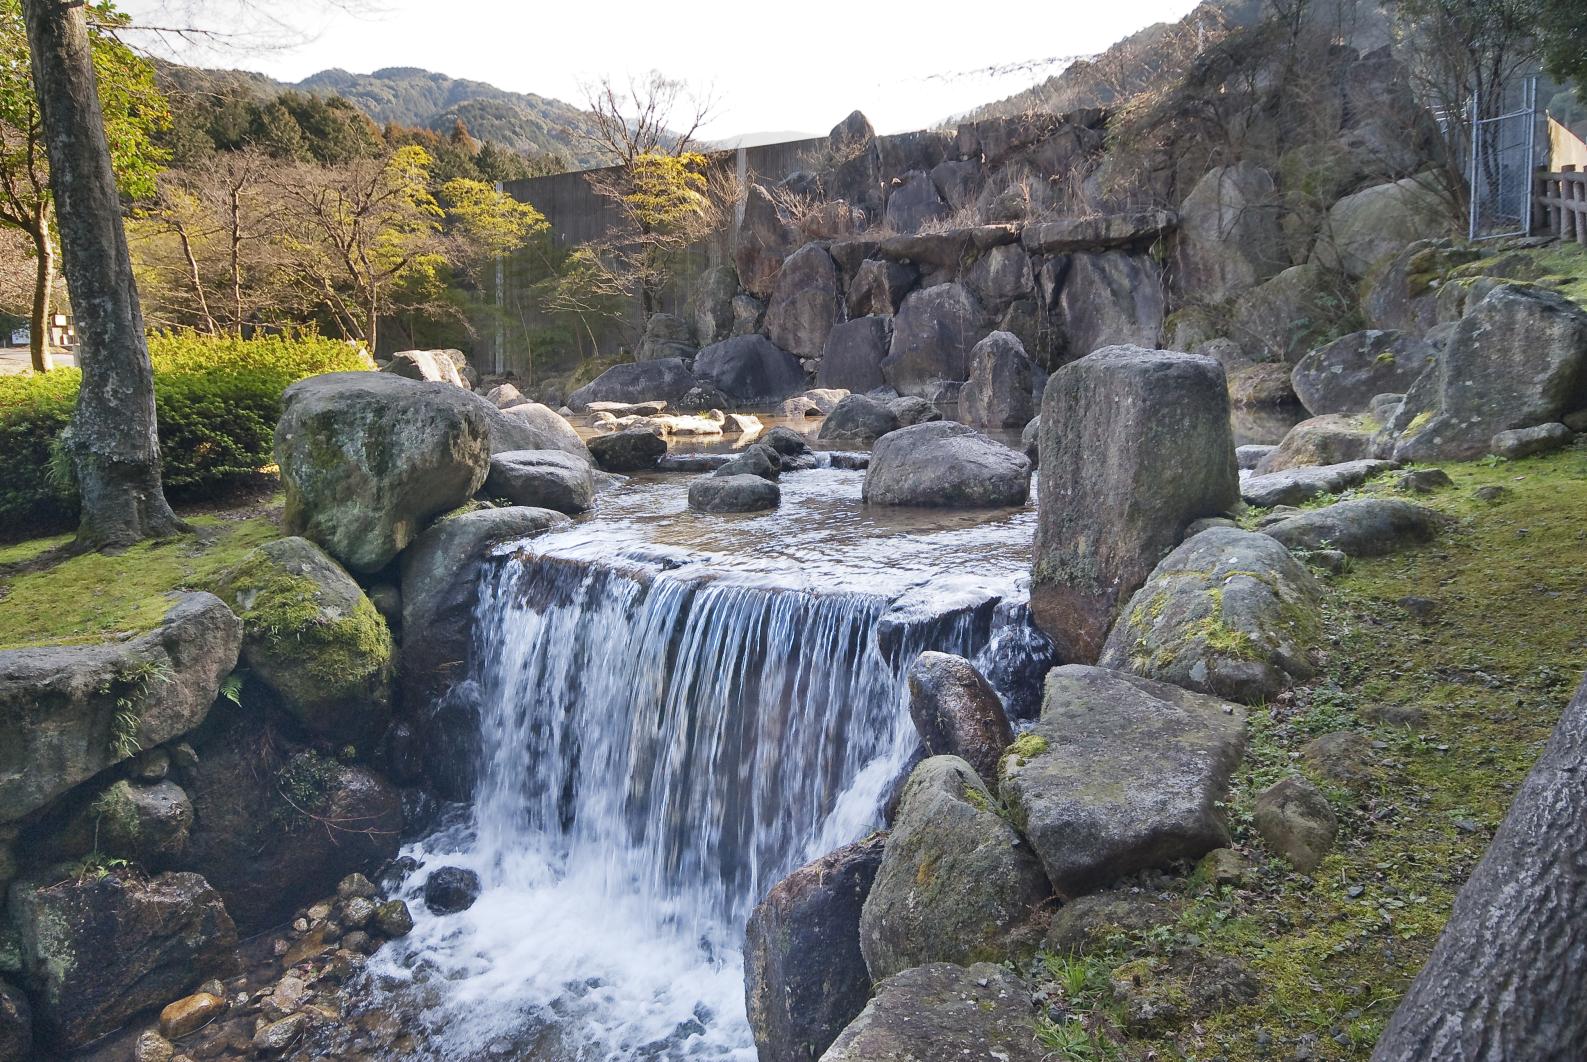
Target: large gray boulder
546, 479
630, 450
944, 1012
1001, 390
878, 287
1111, 298
713, 304
98, 949
1000, 276
666, 336
1291, 313
1229, 613
435, 366
1360, 527
751, 370
312, 636
804, 302
955, 884
1229, 236
944, 464
1378, 221
744, 493
532, 426
1527, 442
665, 380
1293, 486
1331, 439
932, 336
1135, 444
852, 358
858, 418
957, 713
1517, 358
1345, 375
1121, 774
804, 975
764, 238
69, 712
368, 459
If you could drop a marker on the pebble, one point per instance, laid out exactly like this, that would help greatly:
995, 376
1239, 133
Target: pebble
152, 1047
190, 1013
1355, 891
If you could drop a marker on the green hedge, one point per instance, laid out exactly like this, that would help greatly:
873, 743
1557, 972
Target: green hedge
218, 401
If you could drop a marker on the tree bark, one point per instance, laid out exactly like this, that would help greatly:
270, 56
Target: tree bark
1507, 981
43, 288
113, 439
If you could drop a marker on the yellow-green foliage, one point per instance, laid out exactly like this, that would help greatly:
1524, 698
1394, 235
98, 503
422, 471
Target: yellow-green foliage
97, 596
1025, 747
217, 399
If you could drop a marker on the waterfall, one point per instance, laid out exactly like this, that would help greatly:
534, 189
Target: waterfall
659, 747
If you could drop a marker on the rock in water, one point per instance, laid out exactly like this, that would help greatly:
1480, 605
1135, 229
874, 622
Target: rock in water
1135, 444
733, 494
957, 713
804, 302
758, 460
98, 950
945, 464
311, 634
368, 459
804, 975
858, 418
630, 450
435, 366
664, 379
751, 370
1121, 774
852, 357
1360, 527
450, 890
546, 479
1229, 612
955, 881
1001, 391
947, 1012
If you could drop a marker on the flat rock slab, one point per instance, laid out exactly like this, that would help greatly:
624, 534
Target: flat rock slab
943, 1012
1295, 485
1121, 774
1361, 527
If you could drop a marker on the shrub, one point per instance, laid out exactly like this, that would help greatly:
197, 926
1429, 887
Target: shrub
217, 399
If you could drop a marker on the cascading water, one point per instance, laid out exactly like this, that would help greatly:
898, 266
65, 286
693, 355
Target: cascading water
659, 746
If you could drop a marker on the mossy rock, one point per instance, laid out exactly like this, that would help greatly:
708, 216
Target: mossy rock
314, 637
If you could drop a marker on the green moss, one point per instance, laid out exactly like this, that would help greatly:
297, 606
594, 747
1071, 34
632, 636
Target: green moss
1027, 746
97, 596
1417, 423
302, 788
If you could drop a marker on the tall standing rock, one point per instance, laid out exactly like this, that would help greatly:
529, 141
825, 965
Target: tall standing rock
1135, 444
804, 975
804, 302
763, 240
1001, 391
932, 336
852, 358
1111, 298
367, 459
712, 304
957, 713
1229, 234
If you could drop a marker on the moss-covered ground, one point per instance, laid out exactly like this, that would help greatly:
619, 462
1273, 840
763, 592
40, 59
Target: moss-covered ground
47, 598
1456, 693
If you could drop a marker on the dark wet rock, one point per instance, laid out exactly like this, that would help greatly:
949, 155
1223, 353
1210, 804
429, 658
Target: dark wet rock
1001, 390
1361, 527
957, 713
1125, 422
1331, 439
16, 1024
312, 636
1229, 613
858, 418
59, 705
1343, 376
146, 823
693, 462
1527, 442
393, 919
450, 890
99, 949
1112, 298
948, 465
1296, 821
665, 380
630, 450
278, 1037
546, 479
853, 355
368, 459
956, 883
1296, 485
758, 460
804, 302
1120, 774
751, 370
745, 493
932, 336
804, 975
943, 1011
878, 287
1090, 923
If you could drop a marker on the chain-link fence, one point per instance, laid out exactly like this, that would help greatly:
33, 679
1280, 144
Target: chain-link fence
1503, 155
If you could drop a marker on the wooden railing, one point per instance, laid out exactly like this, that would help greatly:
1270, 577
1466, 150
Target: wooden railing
1561, 205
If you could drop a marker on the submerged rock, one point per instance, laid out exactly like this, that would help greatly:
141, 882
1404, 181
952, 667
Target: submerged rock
948, 465
957, 713
450, 890
943, 1011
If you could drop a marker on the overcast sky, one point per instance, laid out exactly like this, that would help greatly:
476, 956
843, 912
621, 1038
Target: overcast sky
797, 67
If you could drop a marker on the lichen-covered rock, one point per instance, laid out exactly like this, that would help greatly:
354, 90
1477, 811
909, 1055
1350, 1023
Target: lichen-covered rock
664, 379
98, 949
804, 976
1401, 292
1001, 390
1112, 298
1148, 426
955, 884
745, 493
947, 1012
957, 713
1229, 237
1120, 774
1331, 439
1229, 613
69, 712
1291, 313
1296, 821
944, 464
311, 635
1377, 221
1345, 375
858, 418
1359, 527
1086, 924
1296, 485
367, 459
932, 336
1264, 384
804, 302
545, 479
751, 370
633, 449
1526, 442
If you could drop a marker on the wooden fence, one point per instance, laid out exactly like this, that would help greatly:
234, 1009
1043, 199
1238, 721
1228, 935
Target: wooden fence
1561, 205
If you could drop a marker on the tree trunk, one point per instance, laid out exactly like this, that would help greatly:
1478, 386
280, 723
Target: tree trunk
1507, 981
113, 439
43, 288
